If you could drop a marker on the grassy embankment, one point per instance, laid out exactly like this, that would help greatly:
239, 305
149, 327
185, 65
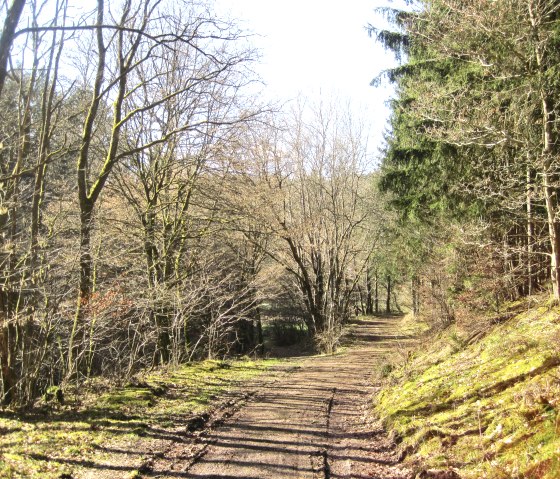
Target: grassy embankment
488, 408
123, 426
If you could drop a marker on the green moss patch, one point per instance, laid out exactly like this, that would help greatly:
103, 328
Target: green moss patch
490, 409
90, 431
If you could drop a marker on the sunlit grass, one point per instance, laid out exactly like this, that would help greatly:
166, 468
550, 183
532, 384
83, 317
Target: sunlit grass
490, 409
73, 438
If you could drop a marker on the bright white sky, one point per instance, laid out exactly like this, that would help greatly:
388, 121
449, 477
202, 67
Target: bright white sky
319, 47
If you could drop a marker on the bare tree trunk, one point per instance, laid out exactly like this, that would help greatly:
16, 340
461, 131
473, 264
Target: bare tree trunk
396, 302
86, 200
550, 198
388, 300
162, 322
369, 294
530, 235
415, 295
376, 292
363, 301
549, 192
7, 37
48, 96
549, 142
260, 338
85, 286
7, 353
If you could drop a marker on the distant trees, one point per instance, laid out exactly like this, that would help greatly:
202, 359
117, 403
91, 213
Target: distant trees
474, 130
313, 200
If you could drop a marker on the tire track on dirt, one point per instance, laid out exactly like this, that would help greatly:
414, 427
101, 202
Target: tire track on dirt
309, 423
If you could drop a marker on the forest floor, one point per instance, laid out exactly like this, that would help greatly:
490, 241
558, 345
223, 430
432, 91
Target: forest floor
306, 417
475, 400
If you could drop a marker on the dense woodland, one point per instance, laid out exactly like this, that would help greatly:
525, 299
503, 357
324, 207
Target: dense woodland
472, 155
154, 210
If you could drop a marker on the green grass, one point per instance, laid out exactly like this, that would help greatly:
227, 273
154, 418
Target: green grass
81, 434
490, 409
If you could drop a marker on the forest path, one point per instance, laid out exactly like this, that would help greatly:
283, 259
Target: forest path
309, 423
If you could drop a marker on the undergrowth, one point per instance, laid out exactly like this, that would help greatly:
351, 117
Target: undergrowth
489, 409
90, 428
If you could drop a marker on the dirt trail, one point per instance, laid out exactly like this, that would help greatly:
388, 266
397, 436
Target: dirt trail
309, 423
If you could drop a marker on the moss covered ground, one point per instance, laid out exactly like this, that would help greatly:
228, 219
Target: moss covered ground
488, 408
88, 430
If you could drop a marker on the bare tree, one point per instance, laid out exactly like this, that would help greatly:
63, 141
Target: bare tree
13, 15
164, 87
133, 61
27, 151
309, 191
160, 180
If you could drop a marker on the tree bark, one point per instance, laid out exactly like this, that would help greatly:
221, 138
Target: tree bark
548, 147
369, 294
551, 201
554, 235
8, 347
85, 285
415, 295
530, 233
7, 38
7, 352
376, 292
388, 300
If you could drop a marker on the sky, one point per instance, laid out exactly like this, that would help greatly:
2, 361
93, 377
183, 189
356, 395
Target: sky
319, 48
314, 49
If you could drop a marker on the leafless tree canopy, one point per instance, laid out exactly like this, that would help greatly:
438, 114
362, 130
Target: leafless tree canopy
151, 210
